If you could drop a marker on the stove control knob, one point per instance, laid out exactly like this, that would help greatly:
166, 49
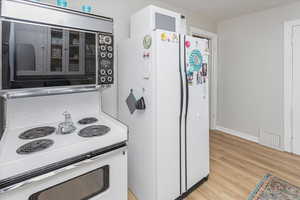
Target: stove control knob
102, 79
103, 55
109, 79
109, 72
109, 55
107, 40
102, 71
103, 48
109, 48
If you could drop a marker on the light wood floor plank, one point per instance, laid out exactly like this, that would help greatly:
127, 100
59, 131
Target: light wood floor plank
237, 165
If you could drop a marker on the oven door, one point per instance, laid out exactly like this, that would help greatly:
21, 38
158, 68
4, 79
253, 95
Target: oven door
100, 178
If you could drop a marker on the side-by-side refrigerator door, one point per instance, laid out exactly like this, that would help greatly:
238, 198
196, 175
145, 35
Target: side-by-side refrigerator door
196, 57
168, 108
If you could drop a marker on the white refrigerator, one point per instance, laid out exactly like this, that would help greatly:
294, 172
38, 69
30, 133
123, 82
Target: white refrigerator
163, 97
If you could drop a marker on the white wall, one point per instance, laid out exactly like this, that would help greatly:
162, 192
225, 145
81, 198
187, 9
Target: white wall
121, 10
251, 71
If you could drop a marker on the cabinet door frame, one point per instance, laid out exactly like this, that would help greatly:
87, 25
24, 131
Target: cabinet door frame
288, 83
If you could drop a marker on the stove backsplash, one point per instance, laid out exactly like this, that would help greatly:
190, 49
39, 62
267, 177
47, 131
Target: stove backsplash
36, 111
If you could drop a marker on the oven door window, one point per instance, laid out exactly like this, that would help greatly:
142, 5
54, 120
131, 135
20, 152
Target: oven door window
35, 55
79, 188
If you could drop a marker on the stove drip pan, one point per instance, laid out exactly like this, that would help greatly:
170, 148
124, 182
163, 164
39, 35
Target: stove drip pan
37, 133
35, 146
93, 131
88, 120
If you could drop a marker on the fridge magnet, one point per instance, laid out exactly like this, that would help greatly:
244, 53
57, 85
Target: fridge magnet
195, 60
174, 37
147, 42
207, 52
199, 78
187, 44
164, 37
204, 69
190, 77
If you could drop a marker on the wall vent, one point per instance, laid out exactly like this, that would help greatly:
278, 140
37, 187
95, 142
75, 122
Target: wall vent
270, 139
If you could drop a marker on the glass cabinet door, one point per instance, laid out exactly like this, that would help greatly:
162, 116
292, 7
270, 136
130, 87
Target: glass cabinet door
56, 50
75, 52
90, 53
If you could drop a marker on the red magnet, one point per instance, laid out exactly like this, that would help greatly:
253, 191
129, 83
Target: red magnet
187, 44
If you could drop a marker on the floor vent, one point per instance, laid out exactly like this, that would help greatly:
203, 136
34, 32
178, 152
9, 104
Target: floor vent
270, 139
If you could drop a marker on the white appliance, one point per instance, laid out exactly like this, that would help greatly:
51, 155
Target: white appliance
40, 162
164, 99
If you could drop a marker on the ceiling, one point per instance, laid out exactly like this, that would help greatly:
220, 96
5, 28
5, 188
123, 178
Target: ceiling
226, 9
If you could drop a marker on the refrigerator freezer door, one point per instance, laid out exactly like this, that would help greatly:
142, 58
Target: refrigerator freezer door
197, 112
168, 92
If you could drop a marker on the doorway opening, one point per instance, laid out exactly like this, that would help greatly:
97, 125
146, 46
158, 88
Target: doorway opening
213, 89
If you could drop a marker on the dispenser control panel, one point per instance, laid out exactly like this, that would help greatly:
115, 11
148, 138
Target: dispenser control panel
106, 59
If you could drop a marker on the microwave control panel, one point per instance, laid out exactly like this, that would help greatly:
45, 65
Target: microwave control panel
106, 59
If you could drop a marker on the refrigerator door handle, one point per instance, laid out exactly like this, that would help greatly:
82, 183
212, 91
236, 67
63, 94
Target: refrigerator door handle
186, 110
181, 112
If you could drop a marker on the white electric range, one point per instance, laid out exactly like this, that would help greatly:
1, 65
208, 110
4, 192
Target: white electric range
37, 162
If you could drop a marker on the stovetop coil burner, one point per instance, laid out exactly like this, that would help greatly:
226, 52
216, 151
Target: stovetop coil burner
95, 130
37, 132
35, 146
88, 120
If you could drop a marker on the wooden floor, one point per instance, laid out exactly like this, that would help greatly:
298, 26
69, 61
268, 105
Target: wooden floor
238, 165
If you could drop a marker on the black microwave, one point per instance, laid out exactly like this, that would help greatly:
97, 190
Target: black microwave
62, 50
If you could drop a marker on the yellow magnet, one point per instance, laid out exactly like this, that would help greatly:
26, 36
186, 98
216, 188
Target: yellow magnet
164, 36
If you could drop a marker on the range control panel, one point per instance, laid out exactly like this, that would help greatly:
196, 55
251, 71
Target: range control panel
106, 59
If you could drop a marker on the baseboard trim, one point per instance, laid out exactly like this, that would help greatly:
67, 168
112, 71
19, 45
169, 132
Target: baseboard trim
238, 134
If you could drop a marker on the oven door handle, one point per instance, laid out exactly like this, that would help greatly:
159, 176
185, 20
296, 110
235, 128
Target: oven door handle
13, 187
27, 182
45, 176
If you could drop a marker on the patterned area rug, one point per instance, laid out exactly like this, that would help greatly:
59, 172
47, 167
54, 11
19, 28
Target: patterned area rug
273, 188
